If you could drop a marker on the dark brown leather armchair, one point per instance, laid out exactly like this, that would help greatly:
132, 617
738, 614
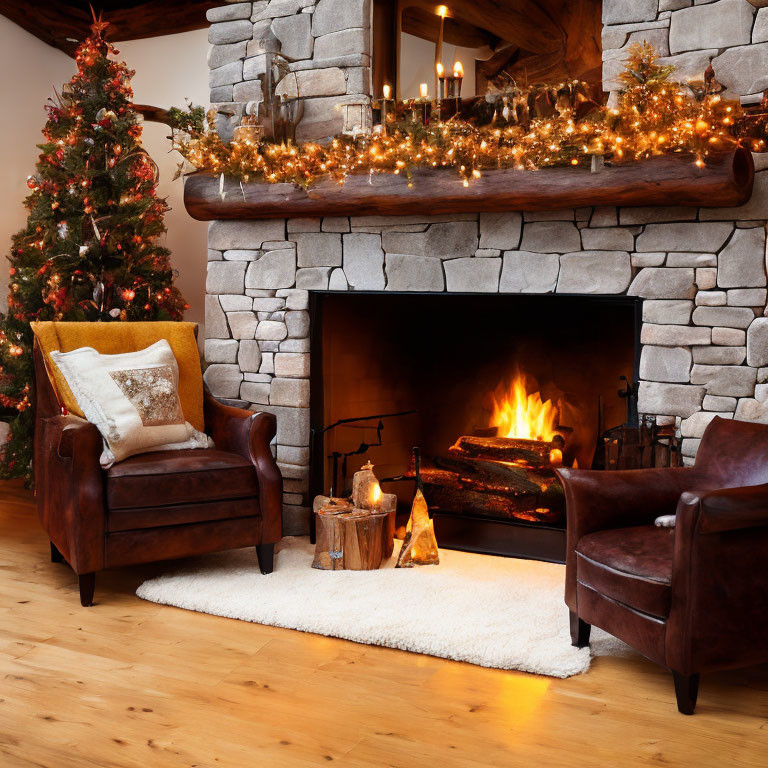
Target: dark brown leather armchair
154, 506
692, 598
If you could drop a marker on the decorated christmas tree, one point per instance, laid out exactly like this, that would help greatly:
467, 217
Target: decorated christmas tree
90, 250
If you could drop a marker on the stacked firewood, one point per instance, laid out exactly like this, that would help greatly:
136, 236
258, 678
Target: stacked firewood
498, 477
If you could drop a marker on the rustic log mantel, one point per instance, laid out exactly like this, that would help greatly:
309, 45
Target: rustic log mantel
726, 181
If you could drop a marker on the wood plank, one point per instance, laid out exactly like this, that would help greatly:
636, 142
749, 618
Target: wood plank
129, 683
727, 180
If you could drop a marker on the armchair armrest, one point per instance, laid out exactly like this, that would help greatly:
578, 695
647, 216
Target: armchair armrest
732, 509
70, 490
249, 435
599, 500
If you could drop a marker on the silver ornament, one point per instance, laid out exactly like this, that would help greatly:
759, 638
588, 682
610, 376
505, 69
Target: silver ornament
62, 228
114, 312
98, 292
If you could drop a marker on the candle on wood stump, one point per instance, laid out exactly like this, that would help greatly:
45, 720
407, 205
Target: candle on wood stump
366, 491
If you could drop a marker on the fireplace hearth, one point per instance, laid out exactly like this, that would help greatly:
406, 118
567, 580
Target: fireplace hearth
496, 391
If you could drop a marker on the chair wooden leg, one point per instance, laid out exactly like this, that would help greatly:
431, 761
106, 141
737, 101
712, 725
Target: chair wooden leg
87, 583
687, 691
266, 555
56, 556
579, 631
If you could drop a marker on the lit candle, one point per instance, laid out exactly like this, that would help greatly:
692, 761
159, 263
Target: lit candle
387, 91
440, 81
424, 91
442, 12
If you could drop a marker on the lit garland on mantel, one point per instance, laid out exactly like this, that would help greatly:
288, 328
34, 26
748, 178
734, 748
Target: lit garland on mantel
654, 116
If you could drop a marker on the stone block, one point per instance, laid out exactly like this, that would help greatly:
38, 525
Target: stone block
345, 42
673, 5
337, 15
716, 25
294, 34
669, 399
715, 403
322, 118
607, 239
241, 254
726, 380
278, 8
250, 235
292, 392
487, 253
625, 11
560, 214
304, 225
242, 324
364, 262
297, 323
338, 280
214, 255
525, 272
290, 454
684, 236
715, 355
548, 236
670, 364
236, 303
295, 299
743, 69
692, 260
223, 380
690, 447
751, 409
728, 317
642, 260
291, 365
594, 272
271, 330
221, 350
256, 392
760, 29
729, 337
604, 216
500, 230
746, 297
313, 278
664, 283
219, 55
221, 93
414, 273
274, 269
225, 277
226, 74
295, 345
695, 425
711, 299
656, 214
249, 357
267, 304
230, 12
667, 312
335, 224
267, 364
449, 240
742, 261
318, 249
706, 278
690, 65
473, 275
226, 32
674, 335
215, 320
250, 90
757, 342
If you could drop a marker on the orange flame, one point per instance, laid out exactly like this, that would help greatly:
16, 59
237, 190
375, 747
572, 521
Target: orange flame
519, 414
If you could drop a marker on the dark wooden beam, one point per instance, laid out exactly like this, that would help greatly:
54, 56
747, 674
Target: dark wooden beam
727, 180
426, 25
63, 24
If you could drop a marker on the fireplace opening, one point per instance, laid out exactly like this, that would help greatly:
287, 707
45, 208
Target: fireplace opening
496, 391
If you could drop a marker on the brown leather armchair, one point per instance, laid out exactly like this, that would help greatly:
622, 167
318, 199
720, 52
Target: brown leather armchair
153, 506
693, 598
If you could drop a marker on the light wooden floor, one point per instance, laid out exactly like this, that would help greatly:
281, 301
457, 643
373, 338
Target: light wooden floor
130, 683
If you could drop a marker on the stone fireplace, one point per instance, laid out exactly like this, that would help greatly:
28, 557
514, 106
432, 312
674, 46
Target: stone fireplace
700, 272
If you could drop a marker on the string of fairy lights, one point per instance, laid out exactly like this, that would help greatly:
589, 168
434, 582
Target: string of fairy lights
654, 115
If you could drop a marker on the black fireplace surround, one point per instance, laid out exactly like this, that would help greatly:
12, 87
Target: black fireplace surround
434, 359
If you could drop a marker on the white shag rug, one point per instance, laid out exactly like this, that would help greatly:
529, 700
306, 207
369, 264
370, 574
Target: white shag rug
491, 611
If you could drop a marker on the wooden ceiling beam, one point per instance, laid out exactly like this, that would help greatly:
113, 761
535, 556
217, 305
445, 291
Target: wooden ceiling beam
63, 25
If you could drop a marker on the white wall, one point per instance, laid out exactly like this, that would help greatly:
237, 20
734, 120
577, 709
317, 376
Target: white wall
168, 70
28, 71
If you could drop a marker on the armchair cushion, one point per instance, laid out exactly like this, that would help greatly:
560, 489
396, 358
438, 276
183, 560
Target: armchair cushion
630, 565
179, 477
114, 338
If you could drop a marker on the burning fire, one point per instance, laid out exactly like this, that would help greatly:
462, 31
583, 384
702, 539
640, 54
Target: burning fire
522, 415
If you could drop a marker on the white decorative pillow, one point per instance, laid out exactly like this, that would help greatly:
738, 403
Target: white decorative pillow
132, 398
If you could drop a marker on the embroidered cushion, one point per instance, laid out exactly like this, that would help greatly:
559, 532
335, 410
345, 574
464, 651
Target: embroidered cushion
132, 398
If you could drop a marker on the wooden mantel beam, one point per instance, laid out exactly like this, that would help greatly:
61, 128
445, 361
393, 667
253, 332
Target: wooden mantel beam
726, 180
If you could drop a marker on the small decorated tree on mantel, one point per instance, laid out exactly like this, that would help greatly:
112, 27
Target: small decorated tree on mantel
89, 251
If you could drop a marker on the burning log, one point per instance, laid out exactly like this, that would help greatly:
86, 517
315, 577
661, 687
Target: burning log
533, 453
